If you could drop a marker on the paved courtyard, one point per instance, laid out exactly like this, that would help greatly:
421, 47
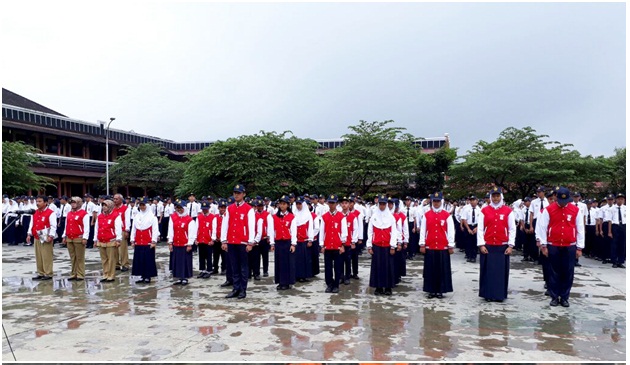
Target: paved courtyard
123, 321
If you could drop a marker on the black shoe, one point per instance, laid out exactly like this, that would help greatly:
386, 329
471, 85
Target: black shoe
577, 264
621, 266
564, 303
141, 281
178, 282
124, 269
278, 287
117, 268
222, 272
346, 282
266, 274
545, 285
184, 282
226, 284
335, 290
488, 300
207, 275
72, 279
554, 302
215, 272
38, 277
387, 292
79, 279
473, 261
242, 295
431, 295
355, 276
525, 259
256, 277
605, 261
233, 294
328, 289
439, 296
201, 275
614, 266
147, 280
547, 293
378, 291
47, 278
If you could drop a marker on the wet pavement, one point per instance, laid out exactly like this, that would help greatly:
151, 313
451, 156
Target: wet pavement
124, 321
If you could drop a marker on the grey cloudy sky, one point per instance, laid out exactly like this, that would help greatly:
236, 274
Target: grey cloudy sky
208, 71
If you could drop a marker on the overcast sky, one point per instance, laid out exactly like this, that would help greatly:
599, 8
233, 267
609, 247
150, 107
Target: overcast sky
208, 71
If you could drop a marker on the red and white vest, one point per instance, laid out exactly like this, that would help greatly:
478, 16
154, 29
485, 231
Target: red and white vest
238, 230
495, 223
74, 224
282, 226
332, 230
262, 216
436, 230
381, 237
144, 236
180, 229
562, 229
204, 228
120, 212
106, 227
41, 220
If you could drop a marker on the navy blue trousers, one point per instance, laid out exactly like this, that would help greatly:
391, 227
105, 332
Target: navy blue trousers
238, 261
618, 244
333, 261
561, 266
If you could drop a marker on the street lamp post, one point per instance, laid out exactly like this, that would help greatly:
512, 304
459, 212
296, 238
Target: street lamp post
107, 153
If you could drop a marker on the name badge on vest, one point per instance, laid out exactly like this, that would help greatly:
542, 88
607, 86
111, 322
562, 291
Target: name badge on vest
183, 224
76, 218
242, 216
501, 216
43, 219
207, 224
442, 222
568, 217
336, 225
109, 221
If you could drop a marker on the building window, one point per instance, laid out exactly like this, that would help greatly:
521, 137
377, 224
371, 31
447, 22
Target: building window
50, 145
76, 149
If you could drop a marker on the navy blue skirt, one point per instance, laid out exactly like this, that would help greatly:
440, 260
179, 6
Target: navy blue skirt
437, 272
303, 266
182, 263
313, 251
400, 259
144, 262
494, 273
284, 263
383, 269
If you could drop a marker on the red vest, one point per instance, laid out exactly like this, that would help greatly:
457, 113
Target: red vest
332, 230
562, 229
204, 228
400, 216
436, 230
495, 222
262, 216
106, 228
120, 211
144, 236
381, 237
282, 226
238, 231
74, 224
302, 232
41, 220
180, 229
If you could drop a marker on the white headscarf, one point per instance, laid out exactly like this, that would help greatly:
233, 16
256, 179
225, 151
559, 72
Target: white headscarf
382, 219
496, 206
302, 215
143, 219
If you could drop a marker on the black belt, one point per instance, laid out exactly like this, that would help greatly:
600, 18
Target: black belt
617, 224
472, 225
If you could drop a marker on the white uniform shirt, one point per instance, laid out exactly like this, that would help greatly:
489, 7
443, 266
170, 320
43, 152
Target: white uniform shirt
535, 206
65, 209
193, 209
594, 215
614, 214
409, 212
467, 214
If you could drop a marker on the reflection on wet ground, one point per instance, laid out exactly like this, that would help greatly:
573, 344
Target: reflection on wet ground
125, 321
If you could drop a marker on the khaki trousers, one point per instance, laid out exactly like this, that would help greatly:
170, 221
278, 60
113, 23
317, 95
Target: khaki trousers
122, 259
44, 258
108, 259
76, 249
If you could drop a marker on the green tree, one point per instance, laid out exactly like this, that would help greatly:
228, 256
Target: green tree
146, 167
268, 163
519, 161
17, 177
617, 163
375, 156
431, 171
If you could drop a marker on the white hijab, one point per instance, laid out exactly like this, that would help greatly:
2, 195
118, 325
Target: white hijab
143, 220
302, 215
499, 205
382, 219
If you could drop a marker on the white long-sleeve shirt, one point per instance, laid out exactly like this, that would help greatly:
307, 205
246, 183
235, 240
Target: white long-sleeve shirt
52, 221
393, 240
192, 232
155, 230
117, 229
251, 226
322, 230
86, 227
309, 231
450, 232
543, 223
481, 230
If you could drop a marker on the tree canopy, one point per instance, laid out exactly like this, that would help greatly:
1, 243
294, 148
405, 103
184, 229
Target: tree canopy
267, 163
519, 161
144, 166
374, 155
17, 177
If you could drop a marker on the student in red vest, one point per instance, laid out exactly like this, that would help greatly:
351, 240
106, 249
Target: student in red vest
382, 241
333, 232
121, 210
205, 222
145, 234
496, 232
350, 244
262, 242
44, 223
75, 236
437, 243
302, 239
282, 241
560, 229
108, 237
238, 231
182, 232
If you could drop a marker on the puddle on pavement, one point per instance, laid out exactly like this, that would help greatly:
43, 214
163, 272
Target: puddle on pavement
216, 347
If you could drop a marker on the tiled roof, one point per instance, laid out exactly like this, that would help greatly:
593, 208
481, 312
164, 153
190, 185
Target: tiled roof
11, 98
